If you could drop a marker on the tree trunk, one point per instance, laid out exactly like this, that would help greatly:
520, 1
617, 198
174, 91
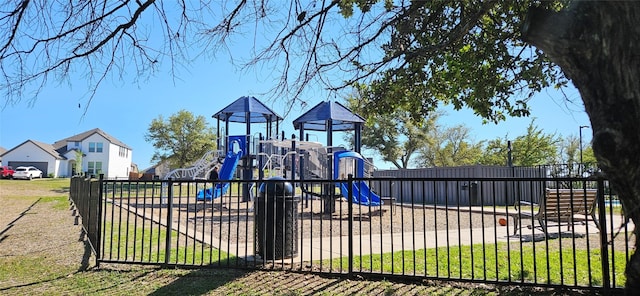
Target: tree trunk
596, 45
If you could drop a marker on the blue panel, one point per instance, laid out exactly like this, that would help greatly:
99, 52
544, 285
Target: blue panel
242, 142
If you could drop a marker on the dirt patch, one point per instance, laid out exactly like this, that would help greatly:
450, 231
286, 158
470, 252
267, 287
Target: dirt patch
17, 196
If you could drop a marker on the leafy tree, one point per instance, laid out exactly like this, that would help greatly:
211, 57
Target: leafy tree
574, 164
394, 135
450, 146
491, 56
181, 139
569, 150
496, 152
588, 157
535, 147
531, 149
78, 165
567, 163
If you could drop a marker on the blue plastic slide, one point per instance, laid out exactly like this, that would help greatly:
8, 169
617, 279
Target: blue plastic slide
362, 195
226, 173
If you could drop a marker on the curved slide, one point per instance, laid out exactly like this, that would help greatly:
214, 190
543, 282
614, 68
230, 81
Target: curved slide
362, 195
226, 173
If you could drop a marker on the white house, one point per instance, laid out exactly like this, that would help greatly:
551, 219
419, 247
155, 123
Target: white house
98, 152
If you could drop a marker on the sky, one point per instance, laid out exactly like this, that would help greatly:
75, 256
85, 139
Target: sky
124, 108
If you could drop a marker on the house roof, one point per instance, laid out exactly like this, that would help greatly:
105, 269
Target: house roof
44, 146
61, 145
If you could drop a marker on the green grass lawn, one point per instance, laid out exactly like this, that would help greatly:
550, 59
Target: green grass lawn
146, 243
46, 186
494, 263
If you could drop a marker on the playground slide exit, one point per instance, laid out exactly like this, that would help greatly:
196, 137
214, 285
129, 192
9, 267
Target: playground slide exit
226, 173
362, 194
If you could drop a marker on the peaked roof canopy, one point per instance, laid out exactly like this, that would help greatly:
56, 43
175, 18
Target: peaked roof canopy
247, 109
317, 119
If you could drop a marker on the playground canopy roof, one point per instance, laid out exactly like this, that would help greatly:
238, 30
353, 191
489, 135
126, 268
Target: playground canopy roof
247, 110
318, 118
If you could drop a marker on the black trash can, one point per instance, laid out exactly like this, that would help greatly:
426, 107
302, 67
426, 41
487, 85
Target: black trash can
473, 194
276, 220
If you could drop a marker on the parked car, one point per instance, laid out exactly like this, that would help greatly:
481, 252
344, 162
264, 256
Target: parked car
28, 172
6, 172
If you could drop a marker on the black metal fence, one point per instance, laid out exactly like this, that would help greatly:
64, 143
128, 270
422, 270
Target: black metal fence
564, 241
86, 196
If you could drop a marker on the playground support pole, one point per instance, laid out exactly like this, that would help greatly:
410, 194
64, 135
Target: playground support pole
226, 136
301, 158
329, 192
357, 138
293, 159
260, 159
218, 135
302, 155
247, 173
350, 223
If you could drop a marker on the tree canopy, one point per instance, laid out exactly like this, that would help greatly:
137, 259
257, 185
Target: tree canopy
449, 146
535, 147
180, 139
394, 135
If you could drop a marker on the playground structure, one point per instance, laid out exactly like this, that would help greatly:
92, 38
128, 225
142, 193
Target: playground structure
302, 162
306, 163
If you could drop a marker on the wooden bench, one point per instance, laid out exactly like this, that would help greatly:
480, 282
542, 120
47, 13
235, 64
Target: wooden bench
560, 207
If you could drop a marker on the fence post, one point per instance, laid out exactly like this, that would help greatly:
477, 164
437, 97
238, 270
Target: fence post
99, 216
350, 222
604, 252
167, 254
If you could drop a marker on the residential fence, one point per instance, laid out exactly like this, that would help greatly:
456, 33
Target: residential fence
426, 228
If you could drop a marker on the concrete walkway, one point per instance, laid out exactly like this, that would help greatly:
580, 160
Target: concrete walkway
338, 246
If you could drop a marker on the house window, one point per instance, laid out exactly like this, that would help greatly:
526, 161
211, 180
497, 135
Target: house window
95, 147
123, 152
94, 167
